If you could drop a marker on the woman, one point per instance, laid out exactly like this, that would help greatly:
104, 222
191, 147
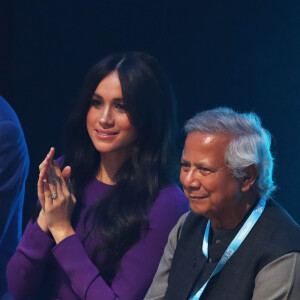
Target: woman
119, 149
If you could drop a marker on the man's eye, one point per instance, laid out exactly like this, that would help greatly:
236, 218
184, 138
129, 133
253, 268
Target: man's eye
184, 166
205, 170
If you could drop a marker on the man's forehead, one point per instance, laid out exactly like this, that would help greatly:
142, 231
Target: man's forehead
204, 138
205, 147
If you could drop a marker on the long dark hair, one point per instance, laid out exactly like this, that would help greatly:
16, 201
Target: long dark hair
121, 213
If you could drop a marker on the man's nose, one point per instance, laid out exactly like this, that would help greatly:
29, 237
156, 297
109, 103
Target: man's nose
106, 117
191, 180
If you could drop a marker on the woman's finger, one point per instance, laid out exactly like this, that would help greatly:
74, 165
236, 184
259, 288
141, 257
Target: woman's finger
40, 192
44, 171
64, 180
43, 178
70, 187
44, 166
54, 185
60, 178
50, 155
66, 173
48, 158
48, 198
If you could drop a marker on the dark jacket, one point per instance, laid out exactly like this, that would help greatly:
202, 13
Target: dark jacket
274, 235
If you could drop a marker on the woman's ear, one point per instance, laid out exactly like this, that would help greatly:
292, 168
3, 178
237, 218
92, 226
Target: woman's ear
250, 178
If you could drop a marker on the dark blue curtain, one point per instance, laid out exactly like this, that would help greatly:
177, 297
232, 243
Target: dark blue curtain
242, 54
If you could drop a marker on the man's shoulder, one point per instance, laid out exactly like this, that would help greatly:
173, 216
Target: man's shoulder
275, 235
192, 225
193, 219
277, 218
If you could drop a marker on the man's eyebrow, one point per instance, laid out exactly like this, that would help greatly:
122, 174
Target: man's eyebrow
200, 165
197, 164
185, 161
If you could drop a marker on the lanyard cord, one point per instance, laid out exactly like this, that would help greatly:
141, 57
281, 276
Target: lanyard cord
234, 245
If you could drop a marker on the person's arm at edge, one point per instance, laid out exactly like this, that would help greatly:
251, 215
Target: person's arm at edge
14, 165
280, 279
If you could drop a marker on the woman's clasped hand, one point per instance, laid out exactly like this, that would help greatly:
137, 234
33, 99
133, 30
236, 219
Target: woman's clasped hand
56, 197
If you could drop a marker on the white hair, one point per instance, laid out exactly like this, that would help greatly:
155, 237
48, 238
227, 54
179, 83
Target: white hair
250, 144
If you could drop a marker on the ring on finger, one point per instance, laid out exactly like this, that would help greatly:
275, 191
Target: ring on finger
54, 196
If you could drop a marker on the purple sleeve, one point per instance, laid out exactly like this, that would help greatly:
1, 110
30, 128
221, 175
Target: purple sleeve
138, 265
26, 269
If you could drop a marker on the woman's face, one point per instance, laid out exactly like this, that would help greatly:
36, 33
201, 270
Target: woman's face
107, 122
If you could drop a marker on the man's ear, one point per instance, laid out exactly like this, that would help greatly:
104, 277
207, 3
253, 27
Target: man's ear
250, 178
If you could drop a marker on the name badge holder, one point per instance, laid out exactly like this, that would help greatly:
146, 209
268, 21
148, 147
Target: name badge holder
234, 245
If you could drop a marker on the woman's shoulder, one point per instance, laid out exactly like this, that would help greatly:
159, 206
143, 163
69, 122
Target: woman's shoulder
170, 201
172, 191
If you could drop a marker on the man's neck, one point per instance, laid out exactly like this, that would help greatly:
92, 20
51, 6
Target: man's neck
232, 217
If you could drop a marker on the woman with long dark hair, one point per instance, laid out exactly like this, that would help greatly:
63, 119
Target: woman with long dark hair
106, 217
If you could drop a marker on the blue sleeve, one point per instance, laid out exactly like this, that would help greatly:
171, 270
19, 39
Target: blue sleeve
14, 165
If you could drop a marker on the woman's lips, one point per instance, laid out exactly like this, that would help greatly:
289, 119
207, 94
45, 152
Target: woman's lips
105, 134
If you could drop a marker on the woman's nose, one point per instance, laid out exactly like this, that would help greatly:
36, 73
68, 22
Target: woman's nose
106, 118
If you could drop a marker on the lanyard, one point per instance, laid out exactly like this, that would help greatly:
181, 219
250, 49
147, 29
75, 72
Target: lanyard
234, 245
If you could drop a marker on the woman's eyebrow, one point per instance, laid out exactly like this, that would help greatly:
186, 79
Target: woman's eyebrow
115, 100
118, 100
97, 96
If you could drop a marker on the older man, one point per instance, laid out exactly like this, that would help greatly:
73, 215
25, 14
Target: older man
236, 243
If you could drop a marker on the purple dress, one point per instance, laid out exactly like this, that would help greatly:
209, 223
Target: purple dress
68, 264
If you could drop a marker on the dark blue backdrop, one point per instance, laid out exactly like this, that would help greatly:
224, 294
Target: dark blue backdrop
242, 54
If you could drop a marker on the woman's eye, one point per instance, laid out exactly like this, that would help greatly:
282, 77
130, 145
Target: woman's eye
121, 106
95, 103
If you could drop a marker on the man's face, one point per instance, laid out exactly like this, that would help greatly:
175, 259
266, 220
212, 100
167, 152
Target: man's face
207, 181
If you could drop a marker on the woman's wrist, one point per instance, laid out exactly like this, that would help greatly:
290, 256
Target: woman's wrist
41, 221
60, 234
